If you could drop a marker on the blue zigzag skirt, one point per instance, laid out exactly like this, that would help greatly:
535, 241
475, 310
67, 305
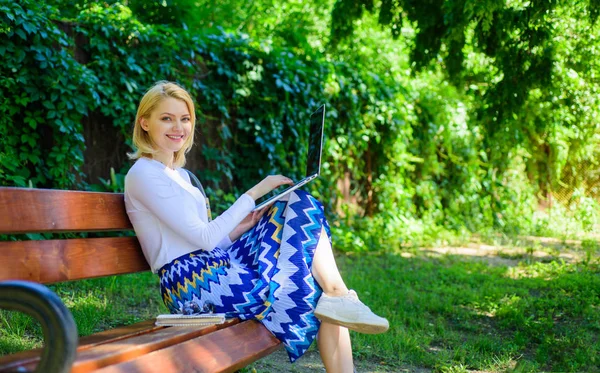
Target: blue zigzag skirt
265, 275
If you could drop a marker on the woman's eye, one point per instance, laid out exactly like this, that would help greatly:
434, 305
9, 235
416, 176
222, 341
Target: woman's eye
185, 119
166, 118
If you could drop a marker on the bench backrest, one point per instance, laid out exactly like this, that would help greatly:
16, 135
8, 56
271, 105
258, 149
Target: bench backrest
25, 210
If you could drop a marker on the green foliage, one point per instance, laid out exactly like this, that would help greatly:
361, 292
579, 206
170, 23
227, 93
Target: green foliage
525, 91
47, 104
256, 98
420, 153
522, 46
116, 183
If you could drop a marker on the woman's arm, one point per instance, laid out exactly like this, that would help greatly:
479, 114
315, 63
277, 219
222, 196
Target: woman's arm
164, 199
249, 221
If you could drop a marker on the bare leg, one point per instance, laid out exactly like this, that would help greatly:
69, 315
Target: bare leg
325, 270
335, 348
333, 340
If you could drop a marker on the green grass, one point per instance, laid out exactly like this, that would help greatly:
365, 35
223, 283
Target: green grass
96, 304
452, 314
448, 313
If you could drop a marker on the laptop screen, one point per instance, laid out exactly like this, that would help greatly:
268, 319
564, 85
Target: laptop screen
315, 142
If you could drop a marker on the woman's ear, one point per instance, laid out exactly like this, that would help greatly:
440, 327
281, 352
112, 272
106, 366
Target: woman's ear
144, 124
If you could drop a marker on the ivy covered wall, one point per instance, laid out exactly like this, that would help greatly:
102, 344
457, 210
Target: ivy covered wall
76, 86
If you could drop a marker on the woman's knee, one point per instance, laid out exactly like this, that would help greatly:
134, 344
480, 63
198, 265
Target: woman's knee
304, 195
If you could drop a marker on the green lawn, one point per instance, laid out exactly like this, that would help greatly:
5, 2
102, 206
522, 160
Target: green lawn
516, 311
453, 314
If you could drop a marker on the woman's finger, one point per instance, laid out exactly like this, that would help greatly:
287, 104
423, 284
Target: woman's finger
284, 180
260, 213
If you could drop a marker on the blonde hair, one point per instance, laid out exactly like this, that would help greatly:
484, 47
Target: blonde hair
141, 139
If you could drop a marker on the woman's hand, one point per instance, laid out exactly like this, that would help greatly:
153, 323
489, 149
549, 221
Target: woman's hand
248, 222
268, 184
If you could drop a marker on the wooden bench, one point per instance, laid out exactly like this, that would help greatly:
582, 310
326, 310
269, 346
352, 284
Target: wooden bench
141, 347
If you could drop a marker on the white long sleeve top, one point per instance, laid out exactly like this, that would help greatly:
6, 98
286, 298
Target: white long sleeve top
169, 215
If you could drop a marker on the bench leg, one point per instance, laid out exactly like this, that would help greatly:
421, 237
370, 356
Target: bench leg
60, 331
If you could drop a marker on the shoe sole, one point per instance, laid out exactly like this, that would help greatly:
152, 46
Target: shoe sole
355, 326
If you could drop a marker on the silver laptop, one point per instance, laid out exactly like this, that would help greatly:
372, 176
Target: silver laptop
313, 162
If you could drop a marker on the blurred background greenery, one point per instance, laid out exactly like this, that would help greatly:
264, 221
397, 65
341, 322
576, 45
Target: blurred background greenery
445, 118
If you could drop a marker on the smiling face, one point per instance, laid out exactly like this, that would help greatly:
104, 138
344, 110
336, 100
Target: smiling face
168, 126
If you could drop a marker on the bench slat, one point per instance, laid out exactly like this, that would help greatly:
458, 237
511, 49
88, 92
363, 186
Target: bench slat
47, 210
129, 347
50, 261
11, 363
116, 334
225, 350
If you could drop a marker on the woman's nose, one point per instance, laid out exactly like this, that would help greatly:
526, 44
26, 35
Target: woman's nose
177, 124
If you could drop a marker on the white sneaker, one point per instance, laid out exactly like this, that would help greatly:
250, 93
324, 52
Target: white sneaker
350, 312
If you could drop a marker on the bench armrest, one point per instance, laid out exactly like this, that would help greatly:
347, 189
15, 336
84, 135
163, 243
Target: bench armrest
60, 331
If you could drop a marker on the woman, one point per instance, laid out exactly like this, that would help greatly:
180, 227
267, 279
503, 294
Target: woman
276, 267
